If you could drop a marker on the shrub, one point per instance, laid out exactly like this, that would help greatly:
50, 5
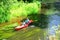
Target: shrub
11, 9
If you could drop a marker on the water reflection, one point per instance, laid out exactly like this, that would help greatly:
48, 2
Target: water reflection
54, 21
43, 21
50, 22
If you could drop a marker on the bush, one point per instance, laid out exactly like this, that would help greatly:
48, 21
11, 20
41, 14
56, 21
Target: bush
11, 9
23, 9
4, 11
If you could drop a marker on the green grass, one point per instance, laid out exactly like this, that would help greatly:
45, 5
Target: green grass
7, 31
30, 34
10, 34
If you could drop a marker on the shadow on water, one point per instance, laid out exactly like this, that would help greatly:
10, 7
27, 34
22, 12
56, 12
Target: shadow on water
40, 20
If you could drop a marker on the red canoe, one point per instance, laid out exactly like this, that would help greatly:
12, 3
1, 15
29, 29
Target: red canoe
23, 26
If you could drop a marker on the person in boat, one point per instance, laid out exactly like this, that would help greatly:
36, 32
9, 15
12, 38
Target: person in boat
26, 21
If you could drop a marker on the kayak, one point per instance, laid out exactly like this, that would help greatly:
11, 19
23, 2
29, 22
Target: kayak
23, 25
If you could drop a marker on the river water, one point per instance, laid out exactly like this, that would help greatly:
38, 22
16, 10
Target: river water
54, 22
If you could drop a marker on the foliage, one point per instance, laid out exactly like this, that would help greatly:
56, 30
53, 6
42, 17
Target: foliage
12, 8
24, 9
4, 11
